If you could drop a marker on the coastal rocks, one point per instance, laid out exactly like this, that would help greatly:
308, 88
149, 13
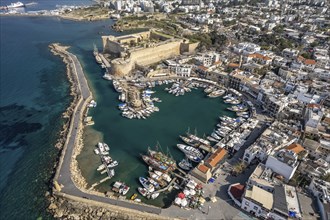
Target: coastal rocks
68, 209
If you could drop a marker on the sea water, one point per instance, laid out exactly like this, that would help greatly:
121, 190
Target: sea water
34, 92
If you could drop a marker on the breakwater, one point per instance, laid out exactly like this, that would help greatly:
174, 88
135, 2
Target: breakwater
69, 185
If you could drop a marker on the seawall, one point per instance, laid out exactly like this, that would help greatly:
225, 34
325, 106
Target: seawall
69, 197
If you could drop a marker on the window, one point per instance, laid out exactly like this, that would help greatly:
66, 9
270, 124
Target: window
255, 208
247, 203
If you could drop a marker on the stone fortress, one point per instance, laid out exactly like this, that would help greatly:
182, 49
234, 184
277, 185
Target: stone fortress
142, 49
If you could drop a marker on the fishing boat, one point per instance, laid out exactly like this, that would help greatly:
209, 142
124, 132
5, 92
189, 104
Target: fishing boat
154, 163
143, 191
185, 164
161, 157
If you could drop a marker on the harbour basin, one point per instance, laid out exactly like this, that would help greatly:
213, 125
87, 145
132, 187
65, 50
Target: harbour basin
128, 139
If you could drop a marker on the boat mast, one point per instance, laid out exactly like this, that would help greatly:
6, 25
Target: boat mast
95, 48
188, 131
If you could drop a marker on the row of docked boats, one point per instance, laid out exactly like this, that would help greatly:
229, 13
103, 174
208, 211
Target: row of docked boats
159, 161
132, 113
120, 187
238, 108
178, 88
92, 104
223, 128
214, 91
108, 163
150, 84
230, 99
148, 104
160, 165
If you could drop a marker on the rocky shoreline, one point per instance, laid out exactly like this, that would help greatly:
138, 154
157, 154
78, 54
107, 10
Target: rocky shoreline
77, 177
63, 208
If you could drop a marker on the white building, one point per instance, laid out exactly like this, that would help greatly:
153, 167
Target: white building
283, 162
183, 70
246, 48
290, 53
313, 116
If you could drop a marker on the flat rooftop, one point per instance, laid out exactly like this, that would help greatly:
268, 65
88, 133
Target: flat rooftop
260, 195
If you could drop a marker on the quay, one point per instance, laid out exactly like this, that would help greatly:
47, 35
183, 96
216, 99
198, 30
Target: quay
64, 186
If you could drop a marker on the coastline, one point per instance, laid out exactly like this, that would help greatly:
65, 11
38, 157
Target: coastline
70, 18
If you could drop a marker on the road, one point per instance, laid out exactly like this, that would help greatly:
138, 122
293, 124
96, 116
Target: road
64, 177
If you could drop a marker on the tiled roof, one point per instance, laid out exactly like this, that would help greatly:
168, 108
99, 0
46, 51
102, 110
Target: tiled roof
297, 148
203, 168
237, 191
216, 157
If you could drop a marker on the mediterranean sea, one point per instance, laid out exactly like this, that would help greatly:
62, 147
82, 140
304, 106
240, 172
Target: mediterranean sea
34, 92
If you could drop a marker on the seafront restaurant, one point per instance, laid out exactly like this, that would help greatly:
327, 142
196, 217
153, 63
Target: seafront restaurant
205, 169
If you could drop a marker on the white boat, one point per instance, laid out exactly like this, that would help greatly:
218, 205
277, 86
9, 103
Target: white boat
191, 152
124, 189
185, 164
111, 173
143, 191
113, 164
16, 5
101, 167
164, 176
106, 147
154, 195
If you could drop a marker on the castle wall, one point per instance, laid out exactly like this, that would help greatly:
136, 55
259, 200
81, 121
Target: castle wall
121, 67
112, 47
147, 56
189, 47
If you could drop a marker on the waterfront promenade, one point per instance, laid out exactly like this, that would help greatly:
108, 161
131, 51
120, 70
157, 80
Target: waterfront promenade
63, 175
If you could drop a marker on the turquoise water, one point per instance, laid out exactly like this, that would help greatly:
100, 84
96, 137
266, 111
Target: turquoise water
34, 92
130, 138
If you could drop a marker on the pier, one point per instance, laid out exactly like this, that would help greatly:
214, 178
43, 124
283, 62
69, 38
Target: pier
168, 187
98, 183
104, 60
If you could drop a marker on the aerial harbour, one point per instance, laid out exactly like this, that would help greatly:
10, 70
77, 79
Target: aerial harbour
151, 110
